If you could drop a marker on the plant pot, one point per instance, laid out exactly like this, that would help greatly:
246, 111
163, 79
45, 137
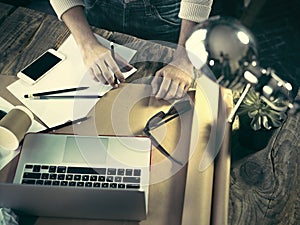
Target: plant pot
253, 139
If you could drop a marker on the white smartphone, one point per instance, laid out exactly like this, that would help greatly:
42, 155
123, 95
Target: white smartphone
41, 66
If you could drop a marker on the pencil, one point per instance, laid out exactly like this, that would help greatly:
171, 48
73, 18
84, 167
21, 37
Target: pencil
64, 97
112, 50
55, 92
68, 123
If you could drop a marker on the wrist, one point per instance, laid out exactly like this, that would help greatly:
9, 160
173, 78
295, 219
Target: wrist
180, 56
87, 43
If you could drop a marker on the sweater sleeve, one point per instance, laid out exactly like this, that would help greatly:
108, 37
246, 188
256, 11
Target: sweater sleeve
61, 6
195, 10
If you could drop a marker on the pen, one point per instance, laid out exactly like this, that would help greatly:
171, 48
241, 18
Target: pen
55, 92
65, 97
112, 50
68, 123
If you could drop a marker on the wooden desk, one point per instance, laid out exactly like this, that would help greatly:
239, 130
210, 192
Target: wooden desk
169, 183
23, 41
264, 185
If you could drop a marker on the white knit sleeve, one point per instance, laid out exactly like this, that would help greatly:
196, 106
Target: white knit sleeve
195, 10
61, 6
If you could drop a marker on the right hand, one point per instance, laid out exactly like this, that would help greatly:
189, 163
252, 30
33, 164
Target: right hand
99, 62
96, 58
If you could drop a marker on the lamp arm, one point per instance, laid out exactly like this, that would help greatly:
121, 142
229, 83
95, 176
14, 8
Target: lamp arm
232, 114
270, 87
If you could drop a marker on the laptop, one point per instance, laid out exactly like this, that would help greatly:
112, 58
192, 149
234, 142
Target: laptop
95, 177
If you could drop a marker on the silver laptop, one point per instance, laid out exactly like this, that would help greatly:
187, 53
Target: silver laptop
59, 175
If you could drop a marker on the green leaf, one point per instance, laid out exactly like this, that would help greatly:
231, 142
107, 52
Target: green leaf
265, 123
256, 123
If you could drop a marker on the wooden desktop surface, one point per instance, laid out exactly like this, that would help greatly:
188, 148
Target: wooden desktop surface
263, 185
178, 194
26, 34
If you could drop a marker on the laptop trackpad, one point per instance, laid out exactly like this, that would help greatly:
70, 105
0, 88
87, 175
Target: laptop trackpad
85, 150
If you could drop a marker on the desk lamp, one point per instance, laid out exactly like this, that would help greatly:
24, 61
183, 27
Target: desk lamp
226, 51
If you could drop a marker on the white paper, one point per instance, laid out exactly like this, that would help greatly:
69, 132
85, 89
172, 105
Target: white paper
6, 155
69, 73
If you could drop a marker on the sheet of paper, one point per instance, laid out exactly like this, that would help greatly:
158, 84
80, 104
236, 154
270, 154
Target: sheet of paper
70, 73
6, 155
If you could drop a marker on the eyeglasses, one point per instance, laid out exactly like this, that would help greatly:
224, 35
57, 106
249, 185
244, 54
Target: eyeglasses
2, 114
161, 118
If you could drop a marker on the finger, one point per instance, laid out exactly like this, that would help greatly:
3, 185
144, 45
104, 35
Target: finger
164, 88
187, 87
115, 69
96, 73
100, 74
155, 83
106, 74
91, 74
172, 91
180, 91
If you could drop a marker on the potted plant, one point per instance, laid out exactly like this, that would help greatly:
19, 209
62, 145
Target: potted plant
258, 120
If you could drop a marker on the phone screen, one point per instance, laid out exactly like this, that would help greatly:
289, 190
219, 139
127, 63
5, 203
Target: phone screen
39, 67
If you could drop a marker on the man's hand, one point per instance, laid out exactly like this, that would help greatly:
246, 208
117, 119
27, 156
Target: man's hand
173, 80
101, 64
97, 59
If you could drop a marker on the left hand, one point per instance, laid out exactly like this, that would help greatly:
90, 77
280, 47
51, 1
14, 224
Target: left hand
173, 80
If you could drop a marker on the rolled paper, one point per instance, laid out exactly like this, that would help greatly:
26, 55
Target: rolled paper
13, 127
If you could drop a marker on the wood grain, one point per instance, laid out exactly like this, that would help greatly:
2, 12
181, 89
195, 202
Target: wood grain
5, 10
16, 33
265, 185
48, 33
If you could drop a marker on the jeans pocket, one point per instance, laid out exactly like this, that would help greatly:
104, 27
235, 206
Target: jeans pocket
167, 13
89, 4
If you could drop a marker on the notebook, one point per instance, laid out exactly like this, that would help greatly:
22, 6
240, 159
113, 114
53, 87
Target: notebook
97, 177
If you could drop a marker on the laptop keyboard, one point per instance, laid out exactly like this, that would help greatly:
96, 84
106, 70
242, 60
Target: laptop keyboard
113, 178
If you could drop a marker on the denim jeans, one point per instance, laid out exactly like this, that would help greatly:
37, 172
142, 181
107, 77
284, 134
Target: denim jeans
147, 19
